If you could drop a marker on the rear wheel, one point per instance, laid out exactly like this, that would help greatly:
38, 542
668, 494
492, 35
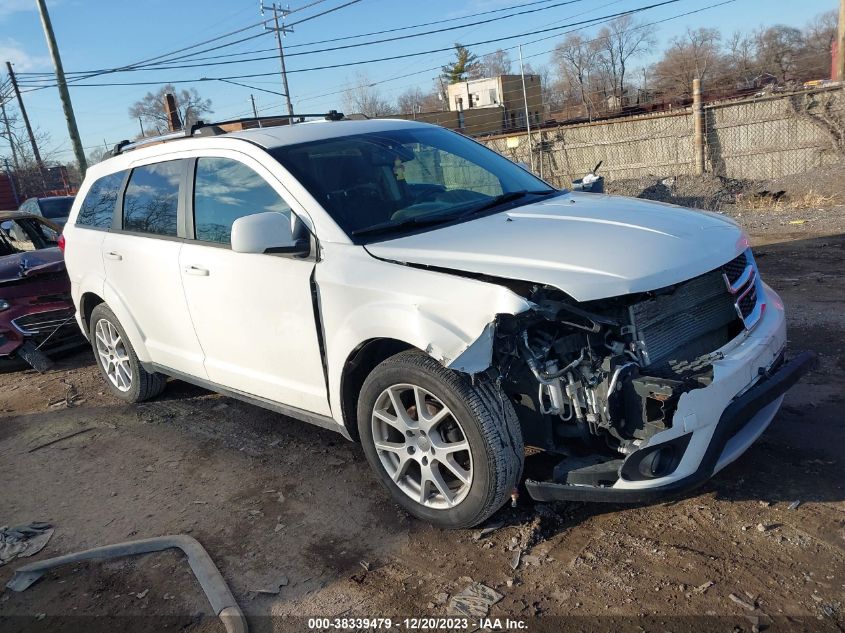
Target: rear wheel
118, 363
449, 452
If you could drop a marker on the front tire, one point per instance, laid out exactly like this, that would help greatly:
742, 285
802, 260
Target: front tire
117, 361
449, 451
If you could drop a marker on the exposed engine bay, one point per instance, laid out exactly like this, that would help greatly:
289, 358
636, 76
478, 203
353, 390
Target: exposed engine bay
605, 376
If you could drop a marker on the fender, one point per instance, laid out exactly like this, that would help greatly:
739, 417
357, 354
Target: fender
136, 336
448, 317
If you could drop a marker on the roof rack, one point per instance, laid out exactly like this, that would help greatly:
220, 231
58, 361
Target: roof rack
201, 128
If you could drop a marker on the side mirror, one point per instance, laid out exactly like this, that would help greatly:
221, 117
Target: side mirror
268, 232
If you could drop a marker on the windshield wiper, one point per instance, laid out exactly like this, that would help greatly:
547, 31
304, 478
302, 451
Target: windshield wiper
384, 227
504, 198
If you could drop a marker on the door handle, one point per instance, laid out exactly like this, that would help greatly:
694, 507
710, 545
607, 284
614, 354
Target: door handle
196, 270
114, 255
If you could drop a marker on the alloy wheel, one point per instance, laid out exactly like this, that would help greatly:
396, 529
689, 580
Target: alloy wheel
422, 446
113, 355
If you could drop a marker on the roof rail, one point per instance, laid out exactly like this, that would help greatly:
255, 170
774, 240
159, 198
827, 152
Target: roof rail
201, 128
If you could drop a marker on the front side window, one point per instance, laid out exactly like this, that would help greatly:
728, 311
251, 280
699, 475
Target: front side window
225, 190
25, 234
98, 206
152, 198
399, 180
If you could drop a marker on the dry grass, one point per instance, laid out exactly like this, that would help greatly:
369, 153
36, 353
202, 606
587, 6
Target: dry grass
808, 200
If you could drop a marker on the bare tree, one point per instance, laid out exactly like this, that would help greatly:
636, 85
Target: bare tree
363, 97
617, 43
779, 48
417, 100
576, 58
818, 37
189, 104
495, 64
741, 59
696, 54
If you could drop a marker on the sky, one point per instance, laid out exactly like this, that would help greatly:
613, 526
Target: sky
98, 34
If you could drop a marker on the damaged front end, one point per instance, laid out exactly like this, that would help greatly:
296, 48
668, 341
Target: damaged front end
599, 383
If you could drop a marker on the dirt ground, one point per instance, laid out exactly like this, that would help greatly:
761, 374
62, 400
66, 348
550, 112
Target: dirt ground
292, 509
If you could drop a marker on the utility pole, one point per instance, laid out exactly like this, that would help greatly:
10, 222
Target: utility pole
840, 44
254, 109
698, 126
281, 29
9, 136
35, 153
527, 114
64, 95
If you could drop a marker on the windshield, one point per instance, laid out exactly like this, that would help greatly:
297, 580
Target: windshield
53, 208
403, 179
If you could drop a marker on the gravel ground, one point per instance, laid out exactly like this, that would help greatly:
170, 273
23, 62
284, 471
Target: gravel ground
293, 509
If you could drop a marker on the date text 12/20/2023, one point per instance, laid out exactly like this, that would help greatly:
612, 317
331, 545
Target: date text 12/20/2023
416, 624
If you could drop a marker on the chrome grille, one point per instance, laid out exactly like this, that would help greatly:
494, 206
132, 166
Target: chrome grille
43, 322
734, 268
698, 316
743, 283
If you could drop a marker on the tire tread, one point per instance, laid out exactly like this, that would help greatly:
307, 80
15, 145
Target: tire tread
498, 423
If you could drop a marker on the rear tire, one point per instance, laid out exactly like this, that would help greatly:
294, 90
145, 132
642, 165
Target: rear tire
458, 462
117, 361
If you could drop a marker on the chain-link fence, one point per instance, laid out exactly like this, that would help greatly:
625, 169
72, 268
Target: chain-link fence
768, 136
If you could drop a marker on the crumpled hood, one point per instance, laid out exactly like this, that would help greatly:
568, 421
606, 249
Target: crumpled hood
589, 246
30, 264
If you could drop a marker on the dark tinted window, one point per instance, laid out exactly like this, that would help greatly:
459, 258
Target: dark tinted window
98, 206
25, 234
152, 198
52, 208
225, 190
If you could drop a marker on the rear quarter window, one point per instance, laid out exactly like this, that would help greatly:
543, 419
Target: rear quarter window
97, 208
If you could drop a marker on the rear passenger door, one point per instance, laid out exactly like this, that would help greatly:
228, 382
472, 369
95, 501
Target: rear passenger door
254, 313
141, 259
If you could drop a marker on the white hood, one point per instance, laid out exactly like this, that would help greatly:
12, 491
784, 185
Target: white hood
589, 246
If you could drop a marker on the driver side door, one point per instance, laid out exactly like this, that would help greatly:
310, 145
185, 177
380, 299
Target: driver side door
253, 313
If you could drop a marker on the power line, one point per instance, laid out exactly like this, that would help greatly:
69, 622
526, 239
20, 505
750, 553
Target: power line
166, 66
403, 56
326, 12
315, 43
436, 68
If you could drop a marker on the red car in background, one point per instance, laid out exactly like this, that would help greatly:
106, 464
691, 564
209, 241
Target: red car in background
36, 311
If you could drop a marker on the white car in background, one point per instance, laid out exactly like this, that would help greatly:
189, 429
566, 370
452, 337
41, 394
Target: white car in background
411, 289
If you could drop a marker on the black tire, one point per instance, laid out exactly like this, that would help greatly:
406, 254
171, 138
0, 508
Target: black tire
144, 385
488, 422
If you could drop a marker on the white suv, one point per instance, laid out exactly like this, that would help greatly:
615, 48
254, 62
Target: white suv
409, 288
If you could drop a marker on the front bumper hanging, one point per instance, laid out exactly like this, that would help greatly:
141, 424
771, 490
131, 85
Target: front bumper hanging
733, 419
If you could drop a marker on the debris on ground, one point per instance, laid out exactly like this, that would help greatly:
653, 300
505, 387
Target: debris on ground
143, 594
745, 605
23, 540
273, 589
515, 560
704, 587
794, 504
60, 439
474, 601
487, 531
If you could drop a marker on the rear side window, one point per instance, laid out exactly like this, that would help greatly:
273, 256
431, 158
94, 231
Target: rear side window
152, 198
98, 206
225, 190
56, 208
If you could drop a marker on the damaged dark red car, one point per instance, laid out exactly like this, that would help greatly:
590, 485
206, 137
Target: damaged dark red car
36, 311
